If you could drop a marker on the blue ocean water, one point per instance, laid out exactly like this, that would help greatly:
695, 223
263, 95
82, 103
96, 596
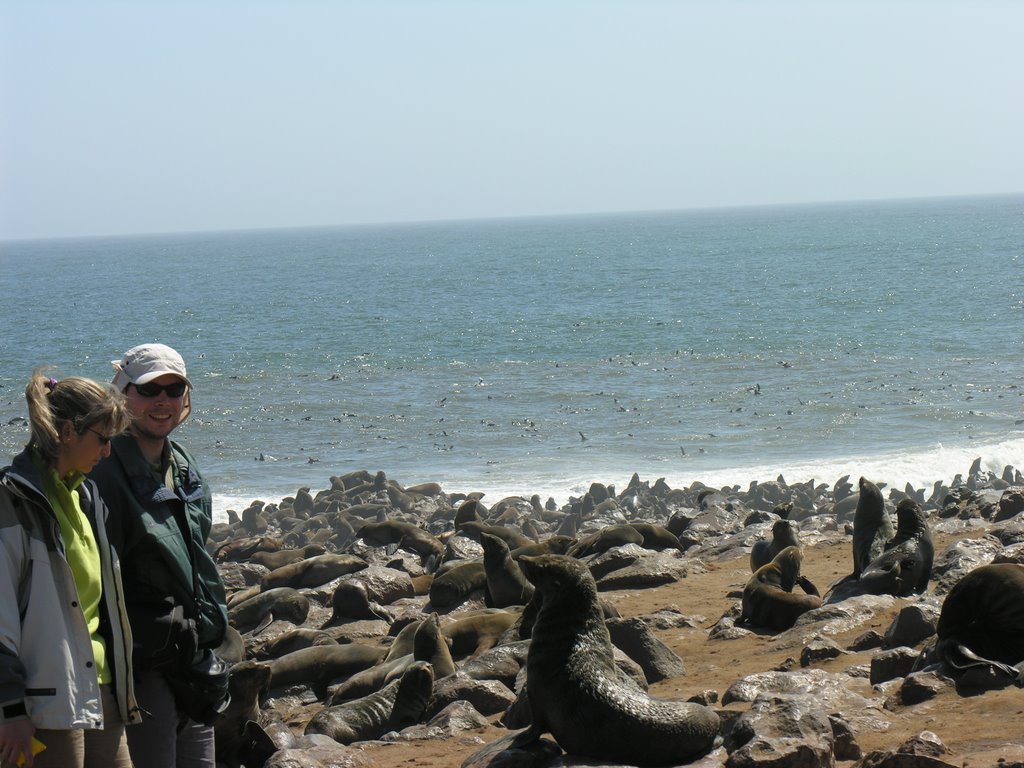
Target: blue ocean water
526, 356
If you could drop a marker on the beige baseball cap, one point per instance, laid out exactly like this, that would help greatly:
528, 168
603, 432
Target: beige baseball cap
145, 362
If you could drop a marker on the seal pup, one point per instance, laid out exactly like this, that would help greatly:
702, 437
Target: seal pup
763, 552
578, 693
872, 526
397, 705
906, 564
506, 584
768, 597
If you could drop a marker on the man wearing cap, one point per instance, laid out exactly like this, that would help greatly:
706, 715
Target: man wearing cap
160, 517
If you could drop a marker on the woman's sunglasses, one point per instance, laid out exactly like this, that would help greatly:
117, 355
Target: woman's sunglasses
177, 389
103, 439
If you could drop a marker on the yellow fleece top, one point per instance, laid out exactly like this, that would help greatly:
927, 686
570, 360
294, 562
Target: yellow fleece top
83, 556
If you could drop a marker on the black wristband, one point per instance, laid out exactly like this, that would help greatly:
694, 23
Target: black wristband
14, 710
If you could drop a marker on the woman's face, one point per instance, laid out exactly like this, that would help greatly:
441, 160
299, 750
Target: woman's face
81, 451
155, 413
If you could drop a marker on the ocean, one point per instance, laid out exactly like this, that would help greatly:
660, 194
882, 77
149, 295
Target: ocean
537, 355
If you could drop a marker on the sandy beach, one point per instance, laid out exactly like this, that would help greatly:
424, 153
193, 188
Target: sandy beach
717, 528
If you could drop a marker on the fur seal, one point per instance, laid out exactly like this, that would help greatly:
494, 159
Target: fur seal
656, 537
906, 564
506, 584
472, 529
763, 552
247, 680
472, 635
351, 602
397, 705
872, 526
579, 695
768, 597
273, 560
412, 537
606, 538
456, 584
293, 640
985, 612
319, 665
429, 644
313, 571
280, 603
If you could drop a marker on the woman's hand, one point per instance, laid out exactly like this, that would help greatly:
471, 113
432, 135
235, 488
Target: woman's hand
16, 740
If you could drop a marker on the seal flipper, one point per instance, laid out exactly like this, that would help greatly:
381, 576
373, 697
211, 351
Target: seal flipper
266, 621
807, 586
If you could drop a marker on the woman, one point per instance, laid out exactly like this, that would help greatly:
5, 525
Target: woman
65, 661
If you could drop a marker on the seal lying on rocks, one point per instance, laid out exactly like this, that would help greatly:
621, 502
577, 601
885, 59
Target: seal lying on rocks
579, 695
397, 705
768, 597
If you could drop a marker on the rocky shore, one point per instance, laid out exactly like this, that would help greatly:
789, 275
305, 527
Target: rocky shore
379, 624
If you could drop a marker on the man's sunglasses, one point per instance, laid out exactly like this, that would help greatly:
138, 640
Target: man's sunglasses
149, 389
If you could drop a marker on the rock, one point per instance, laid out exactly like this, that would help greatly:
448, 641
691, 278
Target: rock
912, 624
634, 638
888, 665
818, 650
781, 729
488, 697
456, 718
500, 754
921, 686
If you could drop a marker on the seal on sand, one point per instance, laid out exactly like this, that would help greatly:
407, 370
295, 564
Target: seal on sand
397, 705
763, 552
872, 526
984, 611
906, 564
768, 597
579, 695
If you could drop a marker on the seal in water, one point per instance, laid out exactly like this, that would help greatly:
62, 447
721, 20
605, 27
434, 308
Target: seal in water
397, 705
579, 695
768, 597
906, 564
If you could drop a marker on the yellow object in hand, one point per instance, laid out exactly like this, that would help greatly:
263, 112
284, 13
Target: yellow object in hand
37, 747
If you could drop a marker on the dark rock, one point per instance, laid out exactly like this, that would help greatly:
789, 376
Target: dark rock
818, 650
487, 696
500, 754
912, 624
921, 686
781, 729
634, 638
888, 665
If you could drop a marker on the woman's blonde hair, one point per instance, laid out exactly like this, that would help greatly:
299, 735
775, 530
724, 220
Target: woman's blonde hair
81, 402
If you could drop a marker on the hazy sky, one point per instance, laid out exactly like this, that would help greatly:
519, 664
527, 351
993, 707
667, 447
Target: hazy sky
164, 116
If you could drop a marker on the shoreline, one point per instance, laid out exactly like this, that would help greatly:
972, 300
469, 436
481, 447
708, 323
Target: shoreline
883, 471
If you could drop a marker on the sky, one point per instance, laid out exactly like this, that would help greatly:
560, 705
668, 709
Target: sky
146, 116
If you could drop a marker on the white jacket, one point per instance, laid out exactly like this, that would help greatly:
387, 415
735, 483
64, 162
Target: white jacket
47, 670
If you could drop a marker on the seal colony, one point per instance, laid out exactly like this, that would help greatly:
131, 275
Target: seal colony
371, 608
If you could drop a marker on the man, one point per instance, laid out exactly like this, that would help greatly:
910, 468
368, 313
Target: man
160, 517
